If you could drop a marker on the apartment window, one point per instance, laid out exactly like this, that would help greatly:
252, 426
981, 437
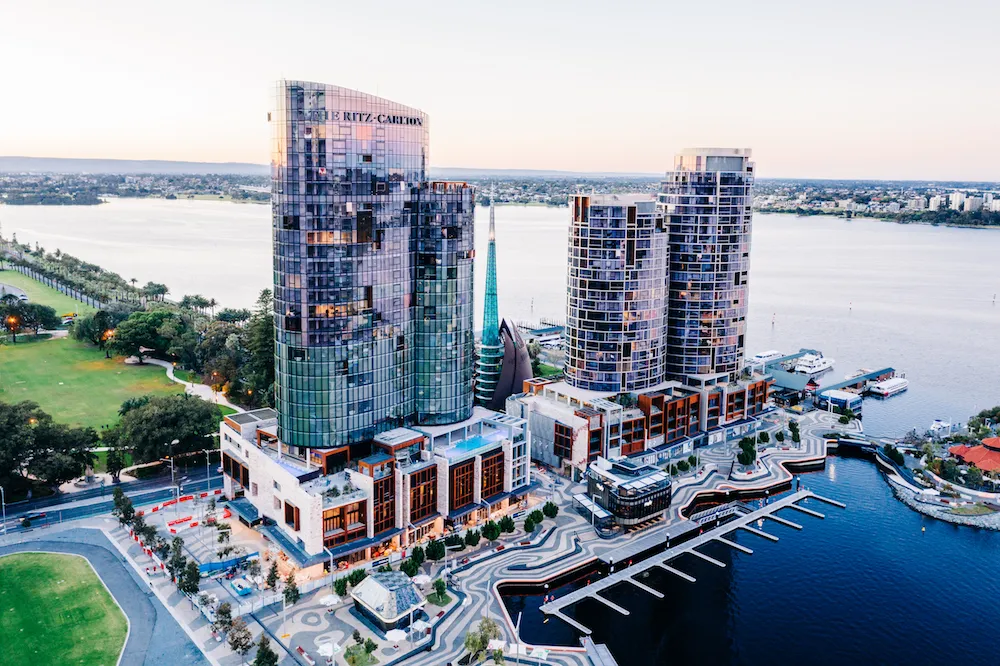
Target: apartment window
492, 475
253, 489
277, 504
423, 494
462, 480
292, 516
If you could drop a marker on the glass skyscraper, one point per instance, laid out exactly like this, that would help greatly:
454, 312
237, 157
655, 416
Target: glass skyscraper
616, 293
706, 201
373, 270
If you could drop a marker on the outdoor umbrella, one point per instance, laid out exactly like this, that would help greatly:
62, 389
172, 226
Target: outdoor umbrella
421, 626
421, 579
329, 600
496, 644
518, 648
540, 653
395, 636
328, 649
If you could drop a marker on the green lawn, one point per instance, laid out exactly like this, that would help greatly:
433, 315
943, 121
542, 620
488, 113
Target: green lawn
73, 381
55, 610
974, 510
39, 293
442, 601
102, 461
356, 656
546, 370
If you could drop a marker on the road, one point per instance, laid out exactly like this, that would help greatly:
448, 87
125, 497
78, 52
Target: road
72, 507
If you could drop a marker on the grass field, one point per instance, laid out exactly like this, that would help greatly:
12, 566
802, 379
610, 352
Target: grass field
55, 610
73, 381
39, 293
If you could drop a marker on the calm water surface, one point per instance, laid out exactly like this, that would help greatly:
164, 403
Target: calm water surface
862, 586
868, 294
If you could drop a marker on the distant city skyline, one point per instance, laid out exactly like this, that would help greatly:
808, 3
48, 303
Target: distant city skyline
865, 90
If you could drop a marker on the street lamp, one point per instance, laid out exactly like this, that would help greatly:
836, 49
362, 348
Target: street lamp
3, 503
12, 324
170, 458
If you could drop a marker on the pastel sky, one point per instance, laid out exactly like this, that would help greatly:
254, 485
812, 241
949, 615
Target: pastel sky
839, 89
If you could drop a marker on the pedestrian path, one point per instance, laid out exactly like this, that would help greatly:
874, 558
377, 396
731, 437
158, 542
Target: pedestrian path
201, 390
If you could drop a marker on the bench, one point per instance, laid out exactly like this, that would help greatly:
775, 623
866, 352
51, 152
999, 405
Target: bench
305, 655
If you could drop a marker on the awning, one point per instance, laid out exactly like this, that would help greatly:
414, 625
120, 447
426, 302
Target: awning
245, 510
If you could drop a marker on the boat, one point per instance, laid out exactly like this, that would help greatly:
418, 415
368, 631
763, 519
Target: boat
857, 373
889, 387
813, 364
764, 358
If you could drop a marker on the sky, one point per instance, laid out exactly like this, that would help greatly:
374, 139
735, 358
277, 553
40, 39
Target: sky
847, 89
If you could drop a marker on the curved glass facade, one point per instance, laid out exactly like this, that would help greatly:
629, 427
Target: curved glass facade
706, 200
372, 270
616, 293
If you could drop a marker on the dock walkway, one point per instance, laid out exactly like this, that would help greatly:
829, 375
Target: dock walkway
643, 544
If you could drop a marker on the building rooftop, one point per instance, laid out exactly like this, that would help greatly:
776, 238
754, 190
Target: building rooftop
621, 199
398, 436
388, 594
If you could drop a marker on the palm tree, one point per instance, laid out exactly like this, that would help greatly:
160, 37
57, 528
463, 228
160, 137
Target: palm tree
212, 303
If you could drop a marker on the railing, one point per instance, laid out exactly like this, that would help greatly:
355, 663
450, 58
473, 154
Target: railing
58, 286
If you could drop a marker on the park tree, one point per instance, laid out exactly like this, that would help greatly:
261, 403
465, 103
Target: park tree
141, 330
265, 655
33, 447
356, 637
974, 477
370, 646
491, 531
407, 566
435, 550
240, 639
418, 555
224, 616
190, 579
231, 316
177, 561
123, 509
551, 509
272, 575
340, 586
291, 592
537, 516
117, 453
506, 524
763, 437
529, 525
477, 640
440, 587
147, 429
472, 538
356, 576
779, 436
259, 367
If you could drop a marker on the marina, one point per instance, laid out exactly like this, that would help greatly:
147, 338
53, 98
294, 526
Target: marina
644, 545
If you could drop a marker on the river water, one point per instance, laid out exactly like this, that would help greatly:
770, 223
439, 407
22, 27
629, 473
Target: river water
867, 293
862, 586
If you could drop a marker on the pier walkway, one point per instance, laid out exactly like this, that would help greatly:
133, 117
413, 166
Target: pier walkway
661, 560
859, 381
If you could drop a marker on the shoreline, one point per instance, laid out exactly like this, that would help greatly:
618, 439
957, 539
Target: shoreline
880, 219
908, 498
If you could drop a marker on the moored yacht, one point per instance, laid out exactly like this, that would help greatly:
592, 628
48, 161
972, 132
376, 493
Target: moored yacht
890, 387
813, 364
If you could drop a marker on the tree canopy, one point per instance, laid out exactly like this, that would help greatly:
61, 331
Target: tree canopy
148, 429
32, 445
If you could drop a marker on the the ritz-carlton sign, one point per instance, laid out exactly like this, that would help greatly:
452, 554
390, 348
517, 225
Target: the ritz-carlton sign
321, 115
